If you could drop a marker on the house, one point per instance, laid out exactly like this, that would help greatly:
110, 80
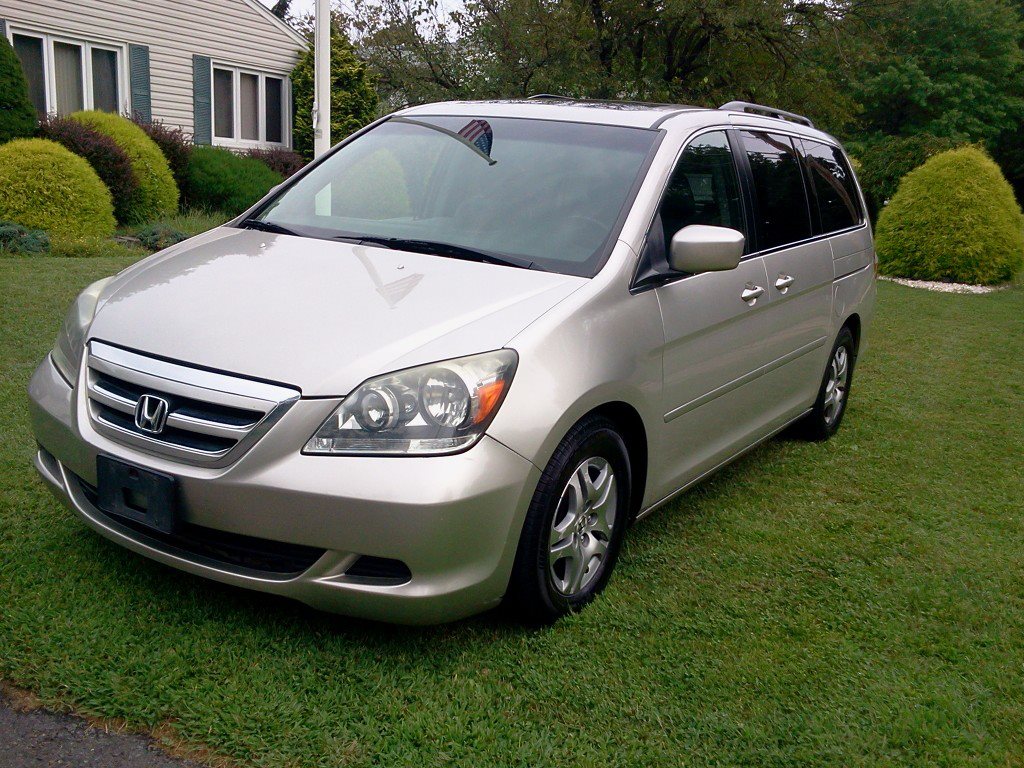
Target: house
217, 69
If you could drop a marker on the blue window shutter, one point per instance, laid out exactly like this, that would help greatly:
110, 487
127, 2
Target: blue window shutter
202, 103
3, 28
138, 75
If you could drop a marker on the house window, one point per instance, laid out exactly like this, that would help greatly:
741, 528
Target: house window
248, 107
65, 75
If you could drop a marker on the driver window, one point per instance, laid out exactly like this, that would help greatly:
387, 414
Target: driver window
703, 189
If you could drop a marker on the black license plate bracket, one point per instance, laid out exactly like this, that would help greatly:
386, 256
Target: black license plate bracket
138, 494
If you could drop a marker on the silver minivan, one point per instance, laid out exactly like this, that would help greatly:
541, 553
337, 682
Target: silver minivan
449, 363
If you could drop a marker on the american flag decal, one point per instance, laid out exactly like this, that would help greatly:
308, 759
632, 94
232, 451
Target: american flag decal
479, 134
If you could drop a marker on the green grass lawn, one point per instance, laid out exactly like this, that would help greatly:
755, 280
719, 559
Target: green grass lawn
859, 602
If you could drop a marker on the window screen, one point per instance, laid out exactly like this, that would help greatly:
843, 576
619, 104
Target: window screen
834, 188
223, 104
249, 106
67, 70
104, 80
274, 88
30, 53
782, 213
703, 188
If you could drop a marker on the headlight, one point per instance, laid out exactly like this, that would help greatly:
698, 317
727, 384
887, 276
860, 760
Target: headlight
434, 409
67, 352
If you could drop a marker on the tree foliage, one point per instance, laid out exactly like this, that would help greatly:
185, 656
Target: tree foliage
952, 69
353, 98
17, 115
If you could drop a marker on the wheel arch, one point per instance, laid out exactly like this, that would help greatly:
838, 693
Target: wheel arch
854, 324
630, 426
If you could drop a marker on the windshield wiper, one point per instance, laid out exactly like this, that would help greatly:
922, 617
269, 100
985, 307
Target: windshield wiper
266, 226
445, 249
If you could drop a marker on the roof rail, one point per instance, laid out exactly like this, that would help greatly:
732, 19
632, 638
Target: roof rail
781, 114
538, 96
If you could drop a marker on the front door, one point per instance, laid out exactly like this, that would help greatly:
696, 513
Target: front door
714, 348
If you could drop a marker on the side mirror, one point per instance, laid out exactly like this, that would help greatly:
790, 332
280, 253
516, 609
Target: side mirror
702, 248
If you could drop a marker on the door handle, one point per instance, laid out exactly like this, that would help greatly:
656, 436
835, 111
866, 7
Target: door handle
751, 293
784, 282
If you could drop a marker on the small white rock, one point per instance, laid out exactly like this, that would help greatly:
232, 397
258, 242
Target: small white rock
932, 285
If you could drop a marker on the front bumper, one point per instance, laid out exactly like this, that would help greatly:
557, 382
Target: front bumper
453, 520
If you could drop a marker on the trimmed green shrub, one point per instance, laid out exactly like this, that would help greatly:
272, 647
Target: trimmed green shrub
15, 238
353, 98
157, 194
17, 115
282, 161
106, 158
46, 186
94, 248
219, 180
174, 143
887, 161
953, 219
159, 236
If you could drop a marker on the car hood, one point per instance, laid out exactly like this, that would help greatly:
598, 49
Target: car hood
319, 315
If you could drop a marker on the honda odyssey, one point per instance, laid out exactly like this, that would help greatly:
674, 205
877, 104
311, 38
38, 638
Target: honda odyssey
450, 362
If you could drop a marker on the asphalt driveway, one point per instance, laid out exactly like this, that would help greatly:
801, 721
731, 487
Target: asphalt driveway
36, 738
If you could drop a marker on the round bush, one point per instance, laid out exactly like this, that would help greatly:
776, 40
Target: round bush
953, 219
17, 115
46, 186
157, 195
218, 180
110, 162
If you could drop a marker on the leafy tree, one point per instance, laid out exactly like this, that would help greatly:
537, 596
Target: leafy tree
353, 98
777, 51
281, 9
950, 69
17, 115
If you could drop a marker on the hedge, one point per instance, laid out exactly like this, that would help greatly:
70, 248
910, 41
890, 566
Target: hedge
218, 180
954, 219
49, 187
175, 144
157, 194
282, 161
17, 115
110, 162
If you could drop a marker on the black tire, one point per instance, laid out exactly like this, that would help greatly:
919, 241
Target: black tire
820, 424
532, 595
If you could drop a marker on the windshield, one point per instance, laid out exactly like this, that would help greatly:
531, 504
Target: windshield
521, 191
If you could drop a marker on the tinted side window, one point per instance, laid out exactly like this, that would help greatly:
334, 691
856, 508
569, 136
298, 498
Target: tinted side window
704, 188
833, 185
782, 213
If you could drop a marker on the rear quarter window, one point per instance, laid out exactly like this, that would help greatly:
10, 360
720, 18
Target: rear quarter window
835, 191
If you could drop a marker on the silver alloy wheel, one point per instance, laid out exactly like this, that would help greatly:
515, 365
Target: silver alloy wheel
581, 529
837, 384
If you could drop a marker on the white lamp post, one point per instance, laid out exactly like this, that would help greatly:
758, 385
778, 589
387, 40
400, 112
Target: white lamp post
322, 79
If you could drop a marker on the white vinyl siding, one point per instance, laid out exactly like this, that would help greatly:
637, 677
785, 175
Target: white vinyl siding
230, 31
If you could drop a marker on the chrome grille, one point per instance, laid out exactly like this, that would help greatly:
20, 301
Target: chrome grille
211, 419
